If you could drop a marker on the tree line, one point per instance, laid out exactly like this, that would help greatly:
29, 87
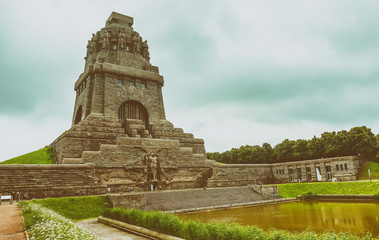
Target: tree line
359, 141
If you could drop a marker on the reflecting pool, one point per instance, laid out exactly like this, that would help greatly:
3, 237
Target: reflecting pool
356, 217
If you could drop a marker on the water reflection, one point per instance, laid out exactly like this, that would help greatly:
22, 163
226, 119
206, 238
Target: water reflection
357, 217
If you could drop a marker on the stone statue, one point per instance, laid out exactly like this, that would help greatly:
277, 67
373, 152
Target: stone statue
94, 42
145, 50
106, 42
136, 43
89, 48
122, 40
152, 164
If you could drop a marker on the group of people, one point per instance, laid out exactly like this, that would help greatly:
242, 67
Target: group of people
102, 40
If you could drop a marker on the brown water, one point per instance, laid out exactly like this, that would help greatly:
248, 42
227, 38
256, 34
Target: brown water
356, 217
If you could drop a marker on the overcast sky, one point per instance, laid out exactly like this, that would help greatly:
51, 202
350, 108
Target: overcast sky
236, 72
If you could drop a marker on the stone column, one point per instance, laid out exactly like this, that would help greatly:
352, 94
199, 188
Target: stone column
323, 172
98, 94
304, 172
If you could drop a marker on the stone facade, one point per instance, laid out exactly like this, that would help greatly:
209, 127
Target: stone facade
328, 169
119, 94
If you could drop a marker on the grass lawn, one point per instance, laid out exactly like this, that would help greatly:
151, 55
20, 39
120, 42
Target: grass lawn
42, 156
76, 208
374, 169
291, 190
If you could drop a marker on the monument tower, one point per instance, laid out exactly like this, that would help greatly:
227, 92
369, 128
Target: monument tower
119, 102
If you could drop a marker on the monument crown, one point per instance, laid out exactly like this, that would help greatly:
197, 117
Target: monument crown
118, 19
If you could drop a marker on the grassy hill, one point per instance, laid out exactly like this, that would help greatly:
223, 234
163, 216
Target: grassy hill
290, 190
374, 169
42, 156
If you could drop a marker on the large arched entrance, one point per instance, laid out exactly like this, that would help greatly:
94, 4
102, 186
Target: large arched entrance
136, 118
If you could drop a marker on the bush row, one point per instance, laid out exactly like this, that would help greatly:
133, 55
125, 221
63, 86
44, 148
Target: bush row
43, 223
196, 230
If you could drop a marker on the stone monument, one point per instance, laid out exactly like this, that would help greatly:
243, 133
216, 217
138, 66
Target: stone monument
119, 117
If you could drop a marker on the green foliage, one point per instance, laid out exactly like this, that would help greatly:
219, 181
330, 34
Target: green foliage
76, 208
295, 189
194, 230
359, 141
374, 170
42, 156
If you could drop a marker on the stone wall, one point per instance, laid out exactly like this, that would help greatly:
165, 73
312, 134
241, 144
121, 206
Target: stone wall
88, 135
124, 165
227, 175
129, 200
42, 181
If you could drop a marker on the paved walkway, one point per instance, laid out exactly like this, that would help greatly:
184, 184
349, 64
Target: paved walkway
11, 222
196, 198
106, 232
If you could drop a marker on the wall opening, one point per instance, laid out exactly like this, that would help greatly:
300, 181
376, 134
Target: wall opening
134, 110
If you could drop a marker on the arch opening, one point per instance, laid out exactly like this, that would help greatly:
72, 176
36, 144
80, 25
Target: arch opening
136, 118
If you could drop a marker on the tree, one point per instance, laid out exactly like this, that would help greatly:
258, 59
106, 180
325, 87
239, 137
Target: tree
363, 142
284, 151
300, 150
316, 148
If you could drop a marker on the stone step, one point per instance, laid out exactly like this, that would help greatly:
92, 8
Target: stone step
196, 198
133, 121
88, 128
135, 126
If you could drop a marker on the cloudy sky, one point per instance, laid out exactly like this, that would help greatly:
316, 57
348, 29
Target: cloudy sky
236, 72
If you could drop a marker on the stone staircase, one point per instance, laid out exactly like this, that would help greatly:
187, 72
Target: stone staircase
166, 130
136, 128
196, 198
88, 134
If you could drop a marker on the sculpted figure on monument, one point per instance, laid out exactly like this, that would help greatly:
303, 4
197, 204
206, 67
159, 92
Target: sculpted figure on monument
136, 43
89, 48
145, 50
122, 40
152, 165
105, 42
94, 42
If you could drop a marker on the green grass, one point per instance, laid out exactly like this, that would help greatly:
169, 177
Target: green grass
374, 169
291, 190
76, 208
42, 156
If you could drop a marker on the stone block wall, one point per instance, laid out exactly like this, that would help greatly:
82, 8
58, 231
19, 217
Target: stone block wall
88, 135
42, 181
227, 175
124, 165
131, 200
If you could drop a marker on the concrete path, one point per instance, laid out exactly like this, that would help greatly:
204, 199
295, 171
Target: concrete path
11, 222
106, 232
196, 198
